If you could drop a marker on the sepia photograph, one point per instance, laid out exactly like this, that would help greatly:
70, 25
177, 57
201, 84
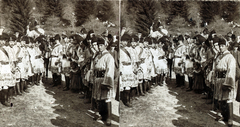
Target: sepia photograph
119, 63
59, 63
179, 63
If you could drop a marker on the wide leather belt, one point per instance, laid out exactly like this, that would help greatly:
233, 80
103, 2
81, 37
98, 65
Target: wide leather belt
53, 56
4, 63
221, 74
99, 74
127, 63
38, 57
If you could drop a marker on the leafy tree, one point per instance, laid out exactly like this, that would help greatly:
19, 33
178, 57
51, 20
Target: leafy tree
105, 10
52, 22
229, 10
83, 10
53, 7
209, 9
69, 14
179, 8
164, 12
145, 15
21, 11
177, 24
194, 13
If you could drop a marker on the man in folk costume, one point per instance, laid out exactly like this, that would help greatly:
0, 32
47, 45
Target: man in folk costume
178, 62
30, 74
189, 63
209, 79
16, 48
155, 52
66, 63
126, 71
236, 55
6, 75
47, 54
13, 60
225, 71
146, 64
24, 63
39, 67
135, 60
103, 69
90, 76
33, 62
170, 55
161, 68
87, 55
114, 51
55, 61
151, 44
139, 50
207, 65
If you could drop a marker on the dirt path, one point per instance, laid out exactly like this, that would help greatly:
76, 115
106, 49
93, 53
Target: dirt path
46, 106
169, 106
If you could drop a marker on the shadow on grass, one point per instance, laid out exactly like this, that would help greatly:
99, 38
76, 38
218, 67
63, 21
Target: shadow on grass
72, 110
193, 110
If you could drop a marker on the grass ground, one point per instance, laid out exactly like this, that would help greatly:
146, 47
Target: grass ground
169, 106
47, 106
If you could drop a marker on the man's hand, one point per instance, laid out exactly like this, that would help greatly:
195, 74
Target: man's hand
104, 87
226, 88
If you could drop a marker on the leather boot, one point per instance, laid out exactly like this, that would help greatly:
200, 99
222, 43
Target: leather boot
5, 96
149, 86
156, 81
145, 87
93, 104
25, 86
160, 80
141, 89
225, 110
18, 89
10, 94
122, 97
164, 80
97, 114
127, 98
137, 90
67, 78
21, 86
230, 114
35, 79
109, 113
132, 94
38, 79
88, 99
14, 91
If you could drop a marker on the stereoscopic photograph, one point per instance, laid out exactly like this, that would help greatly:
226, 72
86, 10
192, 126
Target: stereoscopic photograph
128, 63
179, 63
59, 63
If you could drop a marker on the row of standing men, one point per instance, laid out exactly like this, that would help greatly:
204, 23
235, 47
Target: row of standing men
206, 60
85, 62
